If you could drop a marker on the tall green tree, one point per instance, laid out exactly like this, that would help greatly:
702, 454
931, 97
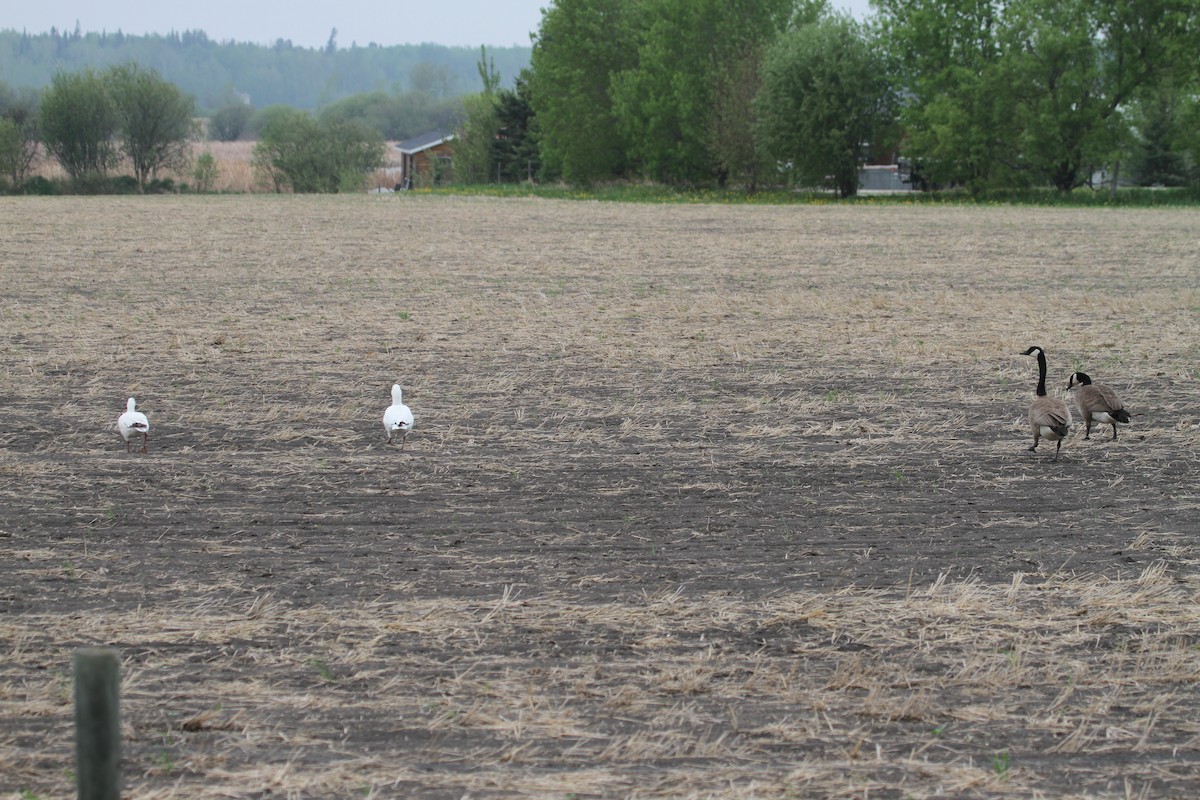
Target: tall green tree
487, 72
825, 98
1079, 63
1004, 91
579, 46
736, 77
79, 124
1159, 154
10, 149
474, 142
474, 139
19, 137
516, 147
1188, 141
737, 153
948, 57
665, 102
154, 120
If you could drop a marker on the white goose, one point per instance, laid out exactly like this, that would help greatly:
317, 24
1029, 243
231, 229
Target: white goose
398, 417
131, 423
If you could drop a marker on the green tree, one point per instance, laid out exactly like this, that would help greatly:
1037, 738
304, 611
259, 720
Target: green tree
578, 47
79, 124
10, 148
398, 116
230, 121
1158, 156
154, 120
474, 142
270, 116
516, 147
948, 55
1009, 91
733, 140
308, 155
665, 101
487, 72
19, 139
475, 138
205, 172
825, 98
1078, 63
1188, 141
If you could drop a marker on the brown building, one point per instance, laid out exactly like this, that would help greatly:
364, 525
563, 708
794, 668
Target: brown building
426, 160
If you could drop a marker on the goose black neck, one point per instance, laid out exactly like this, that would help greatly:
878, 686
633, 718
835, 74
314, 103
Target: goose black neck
1041, 390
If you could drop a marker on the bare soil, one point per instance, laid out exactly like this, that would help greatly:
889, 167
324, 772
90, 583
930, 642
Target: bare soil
702, 501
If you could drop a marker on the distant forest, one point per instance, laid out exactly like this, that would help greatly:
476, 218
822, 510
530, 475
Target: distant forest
217, 73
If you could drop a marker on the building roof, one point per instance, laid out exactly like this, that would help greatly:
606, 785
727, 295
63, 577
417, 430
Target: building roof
423, 142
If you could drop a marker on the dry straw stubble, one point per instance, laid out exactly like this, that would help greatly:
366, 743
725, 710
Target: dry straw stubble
703, 501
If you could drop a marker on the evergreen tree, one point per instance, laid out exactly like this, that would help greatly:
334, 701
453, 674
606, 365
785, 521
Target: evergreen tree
516, 148
1156, 160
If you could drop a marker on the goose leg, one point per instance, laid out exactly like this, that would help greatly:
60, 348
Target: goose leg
1056, 449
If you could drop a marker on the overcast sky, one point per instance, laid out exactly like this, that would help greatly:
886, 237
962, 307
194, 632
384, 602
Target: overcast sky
498, 23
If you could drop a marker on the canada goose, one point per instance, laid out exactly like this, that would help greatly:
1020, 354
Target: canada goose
398, 417
131, 423
1048, 416
1097, 403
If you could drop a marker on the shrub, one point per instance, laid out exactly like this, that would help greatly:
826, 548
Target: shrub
37, 185
161, 186
310, 155
229, 122
205, 172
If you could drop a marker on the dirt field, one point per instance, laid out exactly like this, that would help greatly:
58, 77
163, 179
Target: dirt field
702, 502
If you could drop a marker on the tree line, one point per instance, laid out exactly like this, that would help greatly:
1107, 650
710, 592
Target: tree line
977, 94
216, 73
91, 122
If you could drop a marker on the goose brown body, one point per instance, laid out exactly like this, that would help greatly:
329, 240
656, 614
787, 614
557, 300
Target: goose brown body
1049, 417
1097, 403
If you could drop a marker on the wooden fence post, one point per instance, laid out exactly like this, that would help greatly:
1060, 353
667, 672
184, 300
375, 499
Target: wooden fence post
97, 724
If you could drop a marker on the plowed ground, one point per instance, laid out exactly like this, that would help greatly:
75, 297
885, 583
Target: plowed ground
703, 501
